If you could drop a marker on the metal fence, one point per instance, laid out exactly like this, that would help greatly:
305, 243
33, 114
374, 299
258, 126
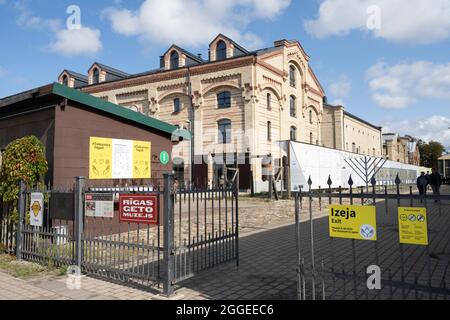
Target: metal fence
7, 229
337, 268
196, 230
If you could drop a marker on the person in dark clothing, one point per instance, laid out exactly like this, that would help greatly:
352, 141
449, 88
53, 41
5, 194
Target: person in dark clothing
422, 184
435, 182
428, 177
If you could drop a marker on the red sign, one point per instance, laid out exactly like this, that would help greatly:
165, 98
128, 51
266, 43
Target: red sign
138, 208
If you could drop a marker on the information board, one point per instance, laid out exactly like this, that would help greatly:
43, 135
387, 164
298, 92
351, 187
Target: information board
119, 159
99, 205
413, 226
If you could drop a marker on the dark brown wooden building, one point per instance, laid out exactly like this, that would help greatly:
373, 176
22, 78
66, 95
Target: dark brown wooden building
64, 119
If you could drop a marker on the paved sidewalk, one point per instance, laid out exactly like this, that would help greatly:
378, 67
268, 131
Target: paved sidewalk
55, 288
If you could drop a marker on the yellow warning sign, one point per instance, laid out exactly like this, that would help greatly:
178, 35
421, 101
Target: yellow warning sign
413, 226
353, 222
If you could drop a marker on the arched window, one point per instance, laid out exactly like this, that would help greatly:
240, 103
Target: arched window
65, 80
311, 138
293, 133
221, 51
174, 60
292, 76
310, 116
269, 101
96, 76
224, 99
224, 131
269, 131
176, 105
293, 106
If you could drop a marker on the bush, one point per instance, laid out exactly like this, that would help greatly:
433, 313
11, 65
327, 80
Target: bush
23, 159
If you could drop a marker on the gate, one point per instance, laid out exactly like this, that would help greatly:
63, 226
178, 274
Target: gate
337, 268
196, 229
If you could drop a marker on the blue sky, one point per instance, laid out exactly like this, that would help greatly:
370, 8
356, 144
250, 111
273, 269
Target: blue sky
397, 75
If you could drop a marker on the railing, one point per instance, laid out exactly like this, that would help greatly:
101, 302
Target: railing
337, 268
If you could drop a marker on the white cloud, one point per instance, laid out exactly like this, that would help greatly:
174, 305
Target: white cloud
413, 21
401, 85
434, 128
340, 89
194, 22
83, 41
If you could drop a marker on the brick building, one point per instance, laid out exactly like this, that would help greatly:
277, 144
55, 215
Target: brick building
239, 104
344, 131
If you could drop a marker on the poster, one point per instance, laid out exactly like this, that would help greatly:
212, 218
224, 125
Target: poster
353, 222
413, 226
100, 158
141, 160
122, 156
119, 159
37, 209
138, 209
99, 205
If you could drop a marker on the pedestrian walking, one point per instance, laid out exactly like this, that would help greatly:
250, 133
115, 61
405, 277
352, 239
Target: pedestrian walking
422, 184
435, 182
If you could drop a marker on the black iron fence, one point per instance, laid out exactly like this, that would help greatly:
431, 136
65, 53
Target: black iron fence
339, 268
196, 229
7, 229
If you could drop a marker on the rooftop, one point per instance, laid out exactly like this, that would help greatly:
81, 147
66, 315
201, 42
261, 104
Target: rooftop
98, 104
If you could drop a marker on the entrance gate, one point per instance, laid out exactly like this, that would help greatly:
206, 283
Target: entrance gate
337, 268
197, 229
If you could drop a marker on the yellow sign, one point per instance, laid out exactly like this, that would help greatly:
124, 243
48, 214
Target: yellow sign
36, 208
141, 160
353, 222
100, 158
413, 226
119, 159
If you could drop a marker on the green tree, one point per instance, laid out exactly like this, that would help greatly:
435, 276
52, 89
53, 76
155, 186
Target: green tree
23, 159
430, 153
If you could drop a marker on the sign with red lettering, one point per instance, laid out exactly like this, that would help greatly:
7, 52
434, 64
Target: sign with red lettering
138, 208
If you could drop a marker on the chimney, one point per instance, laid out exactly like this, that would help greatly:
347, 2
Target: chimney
281, 43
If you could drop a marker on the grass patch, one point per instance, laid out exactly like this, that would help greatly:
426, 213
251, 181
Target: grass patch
25, 270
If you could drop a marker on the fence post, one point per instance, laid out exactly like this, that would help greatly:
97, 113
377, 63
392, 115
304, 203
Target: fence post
21, 209
79, 219
237, 219
168, 285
